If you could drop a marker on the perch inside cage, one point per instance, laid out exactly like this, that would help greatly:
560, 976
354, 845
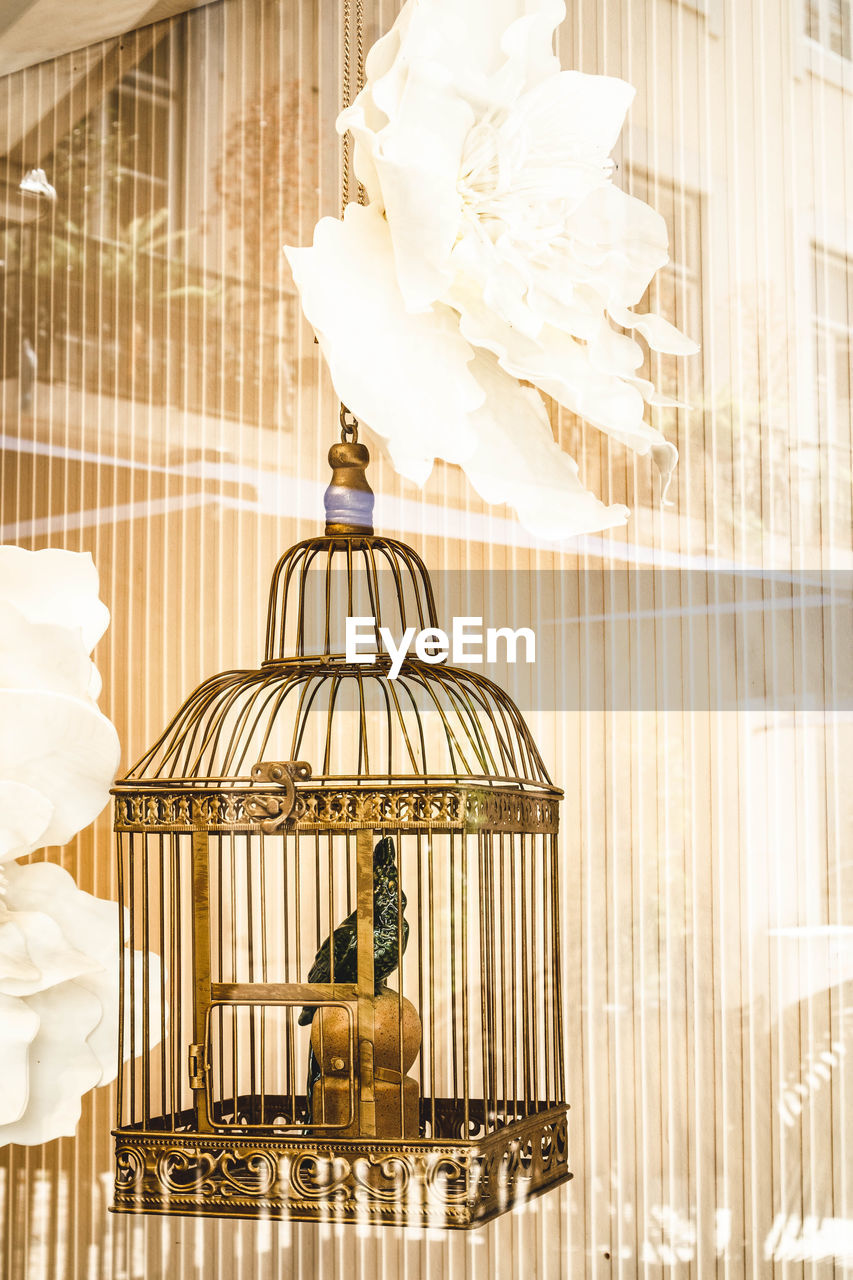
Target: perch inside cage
353, 884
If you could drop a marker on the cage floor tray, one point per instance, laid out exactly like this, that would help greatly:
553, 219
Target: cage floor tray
423, 1182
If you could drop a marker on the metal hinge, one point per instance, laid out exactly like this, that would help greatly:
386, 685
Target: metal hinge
197, 1062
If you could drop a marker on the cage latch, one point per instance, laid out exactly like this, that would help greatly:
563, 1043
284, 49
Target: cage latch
386, 1076
274, 811
197, 1065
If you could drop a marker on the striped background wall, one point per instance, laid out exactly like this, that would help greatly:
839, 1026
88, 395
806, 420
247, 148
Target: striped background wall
174, 419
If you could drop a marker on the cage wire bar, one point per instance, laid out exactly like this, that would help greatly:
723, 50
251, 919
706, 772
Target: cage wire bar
414, 816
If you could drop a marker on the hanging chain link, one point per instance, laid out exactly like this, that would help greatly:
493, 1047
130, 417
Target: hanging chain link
345, 102
359, 38
349, 422
347, 94
349, 425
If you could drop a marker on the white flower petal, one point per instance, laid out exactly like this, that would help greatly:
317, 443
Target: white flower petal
417, 162
498, 279
568, 121
72, 941
90, 925
406, 376
85, 927
518, 462
25, 815
63, 748
475, 38
489, 49
658, 333
55, 586
529, 39
41, 655
616, 243
665, 458
657, 398
615, 353
557, 300
20, 1026
70, 936
19, 973
34, 952
60, 1065
561, 367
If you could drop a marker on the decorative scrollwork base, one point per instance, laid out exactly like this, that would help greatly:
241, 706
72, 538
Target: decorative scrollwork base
414, 1183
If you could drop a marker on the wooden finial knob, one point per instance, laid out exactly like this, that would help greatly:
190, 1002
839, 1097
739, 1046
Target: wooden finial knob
349, 498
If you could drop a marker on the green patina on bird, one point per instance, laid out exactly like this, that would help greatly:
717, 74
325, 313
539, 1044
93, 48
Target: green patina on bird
386, 939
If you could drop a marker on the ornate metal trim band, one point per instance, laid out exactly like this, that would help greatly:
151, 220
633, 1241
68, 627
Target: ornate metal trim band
262, 810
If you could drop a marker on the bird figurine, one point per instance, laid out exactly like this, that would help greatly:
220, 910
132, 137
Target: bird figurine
386, 937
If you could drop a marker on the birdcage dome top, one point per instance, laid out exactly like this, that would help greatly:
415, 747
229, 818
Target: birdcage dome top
348, 721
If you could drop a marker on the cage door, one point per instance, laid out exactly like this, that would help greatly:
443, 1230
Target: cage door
239, 1026
256, 1066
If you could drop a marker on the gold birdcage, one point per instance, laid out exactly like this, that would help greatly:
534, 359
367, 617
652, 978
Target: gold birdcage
422, 1082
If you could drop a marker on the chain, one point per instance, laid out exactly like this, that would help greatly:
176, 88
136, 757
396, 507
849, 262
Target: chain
346, 88
359, 45
349, 425
345, 102
349, 422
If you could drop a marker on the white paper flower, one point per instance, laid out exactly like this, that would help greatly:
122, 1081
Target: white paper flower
59, 588
495, 251
59, 947
64, 749
58, 752
25, 815
59, 963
